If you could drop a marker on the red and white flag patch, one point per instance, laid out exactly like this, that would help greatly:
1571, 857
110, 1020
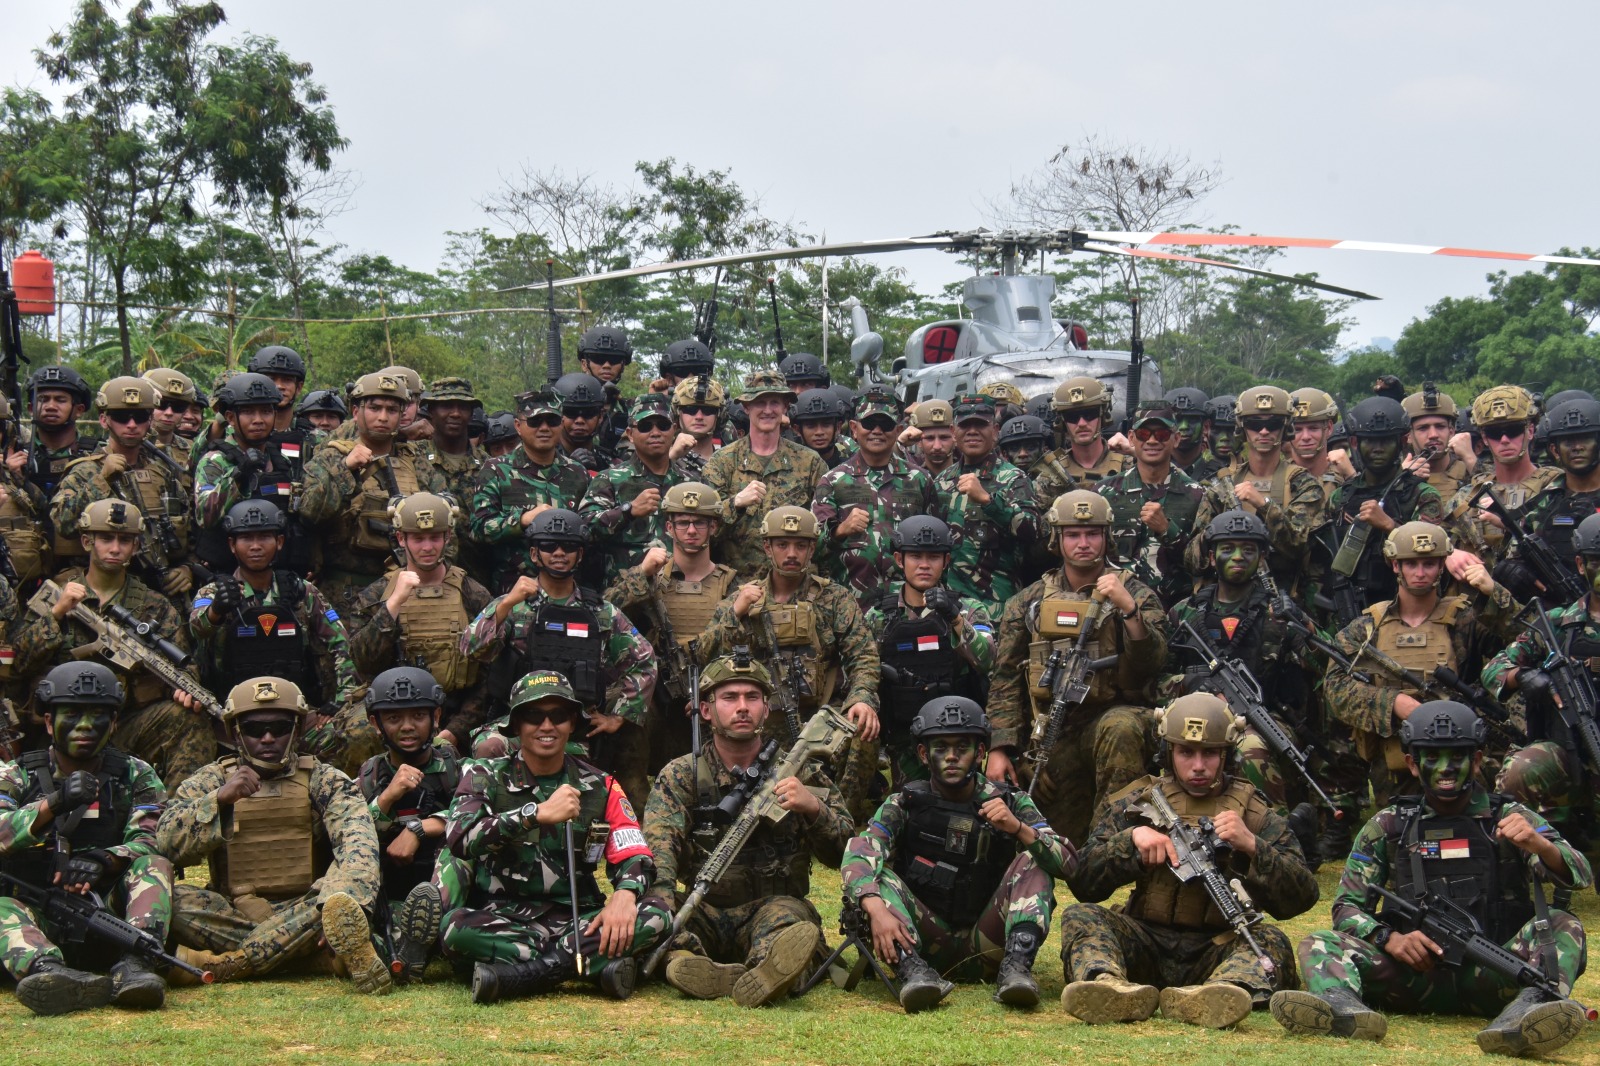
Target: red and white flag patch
1066, 618
928, 643
287, 629
578, 629
1454, 849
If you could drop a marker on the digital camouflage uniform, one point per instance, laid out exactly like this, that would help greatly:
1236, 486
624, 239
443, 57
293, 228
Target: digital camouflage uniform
148, 484
1157, 559
791, 475
507, 486
1295, 506
1170, 933
614, 533
460, 471
269, 928
1487, 540
143, 893
864, 561
1344, 958
992, 541
518, 902
876, 858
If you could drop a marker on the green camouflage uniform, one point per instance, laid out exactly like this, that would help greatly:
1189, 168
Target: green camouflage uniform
1344, 957
864, 561
1129, 942
1411, 500
143, 893
991, 541
151, 725
791, 475
519, 901
613, 530
1290, 525
1156, 558
443, 767
507, 486
1025, 896
195, 828
764, 891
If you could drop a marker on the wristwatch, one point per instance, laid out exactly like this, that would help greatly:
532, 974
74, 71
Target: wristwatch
414, 825
1381, 935
529, 813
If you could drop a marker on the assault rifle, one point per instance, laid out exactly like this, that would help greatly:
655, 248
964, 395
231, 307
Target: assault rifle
694, 696
1558, 581
1297, 620
1066, 675
8, 567
81, 917
824, 735
1443, 684
1243, 694
1571, 685
1355, 540
1197, 860
791, 686
128, 642
1461, 938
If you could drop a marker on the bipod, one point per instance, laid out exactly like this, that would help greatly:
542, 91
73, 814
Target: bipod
856, 933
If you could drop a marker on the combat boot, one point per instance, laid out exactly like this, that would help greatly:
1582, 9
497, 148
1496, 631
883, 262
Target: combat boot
223, 966
494, 981
921, 986
344, 925
618, 977
1334, 843
1109, 998
701, 978
416, 930
1014, 984
135, 986
1215, 1005
771, 978
1536, 1023
1336, 1012
1303, 824
53, 987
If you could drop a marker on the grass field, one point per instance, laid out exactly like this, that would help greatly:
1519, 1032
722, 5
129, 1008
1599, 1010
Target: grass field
318, 1019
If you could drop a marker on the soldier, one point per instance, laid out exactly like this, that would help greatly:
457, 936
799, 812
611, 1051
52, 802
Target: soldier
1082, 407
549, 623
412, 427
675, 594
351, 482
623, 504
259, 621
935, 436
125, 470
408, 789
284, 368
804, 372
582, 399
1433, 423
860, 502
817, 419
322, 410
175, 397
448, 407
1421, 630
500, 434
756, 931
697, 407
81, 815
246, 463
1192, 418
1315, 416
1170, 944
604, 354
956, 873
24, 510
1477, 851
520, 484
760, 472
1554, 513
415, 614
1153, 505
1503, 417
518, 931
152, 726
682, 360
931, 642
1023, 442
990, 506
57, 397
1108, 744
1223, 447
292, 853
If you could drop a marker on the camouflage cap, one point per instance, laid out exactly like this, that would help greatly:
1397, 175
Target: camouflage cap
1156, 411
1430, 403
1003, 392
650, 405
1078, 392
126, 394
933, 414
690, 497
1080, 507
1199, 720
538, 402
423, 512
110, 516
759, 383
1262, 401
445, 389
687, 393
172, 385
1503, 403
1312, 405
975, 407
878, 400
1416, 540
789, 522
263, 694
412, 379
721, 671
540, 685
384, 385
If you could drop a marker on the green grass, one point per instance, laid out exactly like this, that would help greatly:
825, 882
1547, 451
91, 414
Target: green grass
318, 1019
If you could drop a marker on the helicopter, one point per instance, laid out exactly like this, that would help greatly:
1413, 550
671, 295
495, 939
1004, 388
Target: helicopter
1013, 334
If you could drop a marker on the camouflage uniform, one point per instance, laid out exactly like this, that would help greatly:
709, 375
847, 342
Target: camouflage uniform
1156, 558
864, 561
1295, 506
616, 535
218, 485
1344, 958
791, 475
507, 486
177, 742
991, 540
25, 526
519, 901
1025, 896
269, 932
143, 894
441, 774
1409, 500
83, 484
1170, 933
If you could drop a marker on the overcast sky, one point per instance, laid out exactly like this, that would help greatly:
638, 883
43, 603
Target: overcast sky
1435, 123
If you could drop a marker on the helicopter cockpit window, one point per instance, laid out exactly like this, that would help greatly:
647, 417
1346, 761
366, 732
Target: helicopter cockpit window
939, 344
1027, 314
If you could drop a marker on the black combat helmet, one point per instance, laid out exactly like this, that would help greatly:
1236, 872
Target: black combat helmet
579, 392
402, 687
950, 716
248, 390
558, 526
606, 340
803, 366
1022, 429
686, 359
63, 378
1377, 416
921, 533
250, 515
277, 359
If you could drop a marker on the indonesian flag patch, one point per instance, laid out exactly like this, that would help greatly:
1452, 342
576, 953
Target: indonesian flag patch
7, 656
1066, 618
1454, 849
282, 488
288, 629
578, 629
290, 451
928, 643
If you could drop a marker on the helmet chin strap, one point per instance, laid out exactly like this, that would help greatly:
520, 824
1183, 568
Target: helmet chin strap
261, 764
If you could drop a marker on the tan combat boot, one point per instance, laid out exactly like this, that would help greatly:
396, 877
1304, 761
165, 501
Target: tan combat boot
1217, 1005
1109, 998
344, 924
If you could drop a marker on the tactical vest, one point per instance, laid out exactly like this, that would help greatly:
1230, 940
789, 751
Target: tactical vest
1055, 623
1423, 648
365, 523
23, 528
1244, 643
775, 861
279, 484
918, 653
102, 826
690, 604
431, 797
1561, 522
567, 638
1448, 482
1275, 488
273, 852
1110, 465
260, 641
1544, 720
795, 626
1458, 857
160, 495
46, 472
949, 855
1158, 896
431, 622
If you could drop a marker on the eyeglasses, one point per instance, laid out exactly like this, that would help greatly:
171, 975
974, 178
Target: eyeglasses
684, 521
556, 716
1155, 433
542, 421
1503, 432
603, 360
878, 422
1082, 414
122, 418
699, 409
653, 424
269, 727
1263, 425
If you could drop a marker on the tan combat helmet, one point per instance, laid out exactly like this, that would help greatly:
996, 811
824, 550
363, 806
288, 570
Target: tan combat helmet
412, 379
423, 512
111, 516
1503, 403
1199, 720
733, 668
266, 694
789, 522
172, 385
687, 393
126, 394
1003, 392
933, 414
691, 497
1080, 507
1075, 393
1262, 401
1430, 403
1312, 405
382, 385
1416, 540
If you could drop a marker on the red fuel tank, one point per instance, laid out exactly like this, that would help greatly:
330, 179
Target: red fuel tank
35, 279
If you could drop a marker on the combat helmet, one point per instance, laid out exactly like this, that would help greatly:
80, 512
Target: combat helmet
1237, 525
734, 667
1574, 418
85, 684
1022, 429
579, 392
248, 515
701, 391
126, 394
691, 497
110, 516
1188, 401
950, 716
1079, 507
402, 687
1312, 405
1503, 403
1262, 401
1430, 403
277, 359
687, 358
1199, 720
1075, 393
557, 526
61, 379
423, 512
248, 390
381, 386
1443, 724
1586, 538
922, 533
266, 694
172, 385
789, 522
803, 366
1377, 416
1416, 540
605, 340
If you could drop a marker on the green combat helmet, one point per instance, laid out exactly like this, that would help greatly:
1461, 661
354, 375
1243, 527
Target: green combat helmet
734, 667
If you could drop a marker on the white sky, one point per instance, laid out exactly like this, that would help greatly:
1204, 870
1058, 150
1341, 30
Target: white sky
1434, 123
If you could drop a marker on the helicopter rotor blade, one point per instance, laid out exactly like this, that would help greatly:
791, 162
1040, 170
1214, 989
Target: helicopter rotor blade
1142, 253
1240, 240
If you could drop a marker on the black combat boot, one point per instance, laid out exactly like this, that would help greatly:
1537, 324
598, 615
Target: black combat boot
1014, 984
1336, 1012
416, 929
1534, 1023
53, 987
494, 981
1337, 833
921, 986
1303, 824
135, 986
617, 978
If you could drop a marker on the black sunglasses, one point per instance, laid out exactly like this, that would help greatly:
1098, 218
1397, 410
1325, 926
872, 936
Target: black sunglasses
545, 421
649, 424
883, 422
1271, 425
1502, 432
699, 409
122, 418
1082, 414
273, 727
558, 716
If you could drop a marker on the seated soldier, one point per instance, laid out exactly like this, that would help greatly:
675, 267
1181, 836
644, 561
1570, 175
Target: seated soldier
957, 868
516, 818
1479, 852
273, 897
1170, 942
84, 813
